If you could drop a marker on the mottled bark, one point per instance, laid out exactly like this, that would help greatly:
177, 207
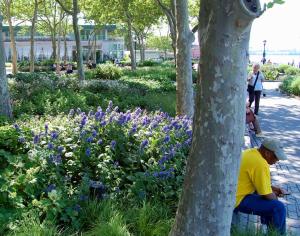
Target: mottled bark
5, 106
169, 12
184, 88
32, 32
209, 188
57, 59
131, 43
12, 38
142, 49
74, 12
53, 42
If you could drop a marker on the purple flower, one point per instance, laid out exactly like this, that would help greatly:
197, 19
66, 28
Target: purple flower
91, 113
36, 139
116, 164
46, 128
99, 141
144, 143
55, 159
71, 112
167, 139
109, 107
17, 127
133, 129
103, 123
137, 112
89, 139
189, 133
88, 152
83, 121
166, 129
50, 188
60, 149
96, 184
113, 144
77, 208
50, 146
21, 140
54, 135
94, 133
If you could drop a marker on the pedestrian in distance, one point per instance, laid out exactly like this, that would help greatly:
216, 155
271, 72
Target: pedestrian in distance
255, 86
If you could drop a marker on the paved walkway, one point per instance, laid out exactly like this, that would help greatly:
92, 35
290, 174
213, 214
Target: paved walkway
279, 116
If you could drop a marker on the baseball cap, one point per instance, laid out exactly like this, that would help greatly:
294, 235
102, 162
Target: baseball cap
276, 147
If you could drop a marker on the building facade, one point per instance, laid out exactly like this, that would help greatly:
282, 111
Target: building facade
97, 44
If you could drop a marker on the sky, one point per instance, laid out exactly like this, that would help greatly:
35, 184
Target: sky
279, 26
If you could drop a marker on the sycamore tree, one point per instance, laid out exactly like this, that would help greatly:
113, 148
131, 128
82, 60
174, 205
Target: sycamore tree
161, 43
146, 14
72, 9
208, 196
7, 9
114, 12
5, 106
28, 11
49, 18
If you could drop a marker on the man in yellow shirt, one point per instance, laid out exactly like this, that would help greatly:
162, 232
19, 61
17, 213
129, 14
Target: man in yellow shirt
255, 194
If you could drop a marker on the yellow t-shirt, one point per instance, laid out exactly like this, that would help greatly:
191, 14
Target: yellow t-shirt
254, 175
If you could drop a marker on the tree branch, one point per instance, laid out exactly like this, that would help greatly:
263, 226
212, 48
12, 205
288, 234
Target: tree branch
64, 7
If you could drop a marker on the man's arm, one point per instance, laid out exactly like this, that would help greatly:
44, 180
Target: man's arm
271, 196
279, 192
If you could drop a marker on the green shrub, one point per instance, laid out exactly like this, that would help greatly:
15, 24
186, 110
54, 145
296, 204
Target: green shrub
98, 155
270, 72
107, 72
9, 139
291, 85
292, 71
295, 86
149, 63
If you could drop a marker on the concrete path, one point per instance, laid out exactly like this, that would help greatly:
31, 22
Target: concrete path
279, 116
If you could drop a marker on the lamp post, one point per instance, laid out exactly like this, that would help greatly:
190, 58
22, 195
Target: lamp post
264, 52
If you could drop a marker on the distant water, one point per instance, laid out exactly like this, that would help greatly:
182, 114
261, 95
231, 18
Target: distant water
280, 59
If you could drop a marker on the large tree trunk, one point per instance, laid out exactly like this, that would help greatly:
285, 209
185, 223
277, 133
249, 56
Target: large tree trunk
65, 41
78, 42
208, 197
5, 106
57, 59
131, 46
12, 39
142, 50
184, 88
169, 12
32, 32
54, 46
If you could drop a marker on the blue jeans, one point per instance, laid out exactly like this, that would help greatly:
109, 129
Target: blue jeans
272, 212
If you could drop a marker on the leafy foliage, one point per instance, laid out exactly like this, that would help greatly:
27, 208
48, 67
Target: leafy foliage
291, 85
103, 154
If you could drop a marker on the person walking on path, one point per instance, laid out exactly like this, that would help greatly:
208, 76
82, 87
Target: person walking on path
255, 87
255, 194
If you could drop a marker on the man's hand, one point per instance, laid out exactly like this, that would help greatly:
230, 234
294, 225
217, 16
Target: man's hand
279, 192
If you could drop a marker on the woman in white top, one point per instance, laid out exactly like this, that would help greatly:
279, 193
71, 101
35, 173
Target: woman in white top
255, 95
